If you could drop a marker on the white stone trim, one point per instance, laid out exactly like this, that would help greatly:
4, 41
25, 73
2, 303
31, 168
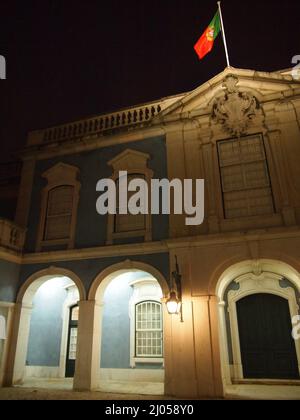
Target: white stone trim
250, 284
253, 276
44, 372
141, 294
71, 300
132, 375
58, 176
5, 352
133, 162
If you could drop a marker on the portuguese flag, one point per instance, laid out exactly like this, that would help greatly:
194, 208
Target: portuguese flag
207, 40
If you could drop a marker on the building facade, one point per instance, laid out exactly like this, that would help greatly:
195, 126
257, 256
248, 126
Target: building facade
104, 315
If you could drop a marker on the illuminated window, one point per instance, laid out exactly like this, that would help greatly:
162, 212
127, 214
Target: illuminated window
245, 177
149, 330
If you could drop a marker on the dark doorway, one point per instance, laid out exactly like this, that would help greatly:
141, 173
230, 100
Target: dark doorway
267, 346
72, 342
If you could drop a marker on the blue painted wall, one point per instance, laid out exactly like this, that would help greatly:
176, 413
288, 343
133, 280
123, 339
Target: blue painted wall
115, 353
91, 227
87, 270
46, 325
9, 281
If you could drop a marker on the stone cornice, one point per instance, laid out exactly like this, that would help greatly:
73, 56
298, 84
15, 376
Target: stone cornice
163, 246
10, 256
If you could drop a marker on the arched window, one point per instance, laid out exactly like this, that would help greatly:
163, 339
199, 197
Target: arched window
148, 330
59, 213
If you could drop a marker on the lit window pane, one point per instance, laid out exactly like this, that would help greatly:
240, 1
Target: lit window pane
149, 336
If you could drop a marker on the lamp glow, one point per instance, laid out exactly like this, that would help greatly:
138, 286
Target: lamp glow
173, 304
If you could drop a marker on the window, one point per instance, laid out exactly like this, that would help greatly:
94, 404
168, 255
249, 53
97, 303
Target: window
245, 177
59, 205
129, 222
59, 213
128, 227
149, 330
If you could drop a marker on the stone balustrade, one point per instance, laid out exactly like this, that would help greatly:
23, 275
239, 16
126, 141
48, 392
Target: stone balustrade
11, 236
102, 124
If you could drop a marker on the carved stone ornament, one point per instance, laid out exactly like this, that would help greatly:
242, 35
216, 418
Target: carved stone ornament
235, 110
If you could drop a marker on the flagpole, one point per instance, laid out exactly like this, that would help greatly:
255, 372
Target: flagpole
224, 35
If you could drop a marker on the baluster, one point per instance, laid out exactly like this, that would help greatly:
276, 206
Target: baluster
141, 115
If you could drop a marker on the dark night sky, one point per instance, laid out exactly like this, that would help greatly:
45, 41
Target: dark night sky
69, 59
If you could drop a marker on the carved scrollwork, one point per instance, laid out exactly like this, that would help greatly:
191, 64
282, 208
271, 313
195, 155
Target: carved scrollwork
235, 110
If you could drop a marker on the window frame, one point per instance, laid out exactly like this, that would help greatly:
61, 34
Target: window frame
262, 138
61, 175
144, 289
136, 331
135, 163
47, 216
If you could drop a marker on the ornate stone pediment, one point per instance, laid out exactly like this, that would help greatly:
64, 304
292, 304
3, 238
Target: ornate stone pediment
235, 110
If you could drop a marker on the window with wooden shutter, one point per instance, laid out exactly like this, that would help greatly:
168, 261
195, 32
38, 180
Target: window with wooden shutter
245, 177
59, 213
129, 222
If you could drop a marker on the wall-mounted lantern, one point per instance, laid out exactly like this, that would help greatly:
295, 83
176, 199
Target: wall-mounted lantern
174, 303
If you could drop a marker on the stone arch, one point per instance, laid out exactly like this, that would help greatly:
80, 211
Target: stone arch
256, 267
93, 308
22, 317
104, 278
252, 277
31, 285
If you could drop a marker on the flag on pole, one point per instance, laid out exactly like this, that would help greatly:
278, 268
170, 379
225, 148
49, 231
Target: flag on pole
207, 40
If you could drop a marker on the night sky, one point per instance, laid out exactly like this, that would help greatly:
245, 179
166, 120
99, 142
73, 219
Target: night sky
70, 59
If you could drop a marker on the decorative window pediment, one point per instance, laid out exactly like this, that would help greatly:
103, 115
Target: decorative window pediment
130, 226
130, 160
59, 205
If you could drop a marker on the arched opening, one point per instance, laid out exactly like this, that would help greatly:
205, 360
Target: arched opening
131, 337
257, 303
268, 350
46, 335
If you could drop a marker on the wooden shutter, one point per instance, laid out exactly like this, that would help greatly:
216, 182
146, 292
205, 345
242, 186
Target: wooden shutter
129, 222
59, 213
